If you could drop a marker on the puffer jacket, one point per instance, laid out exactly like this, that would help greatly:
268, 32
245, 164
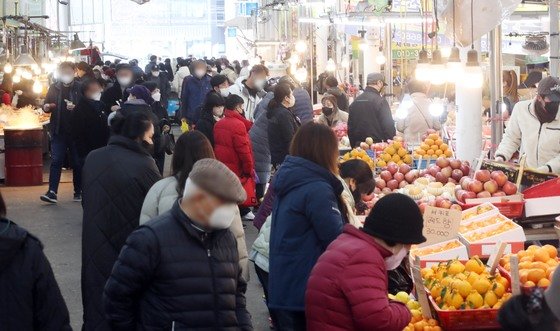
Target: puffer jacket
180, 76
347, 289
306, 218
30, 298
161, 198
173, 275
249, 102
540, 142
338, 116
259, 140
116, 179
303, 108
282, 126
260, 251
206, 124
370, 116
232, 145
193, 94
418, 120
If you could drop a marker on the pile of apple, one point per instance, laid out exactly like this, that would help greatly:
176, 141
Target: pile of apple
438, 202
447, 170
395, 177
485, 184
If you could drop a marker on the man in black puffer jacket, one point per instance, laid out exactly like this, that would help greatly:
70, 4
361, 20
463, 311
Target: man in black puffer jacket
181, 270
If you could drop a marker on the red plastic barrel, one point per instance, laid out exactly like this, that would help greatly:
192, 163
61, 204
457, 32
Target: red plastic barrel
24, 156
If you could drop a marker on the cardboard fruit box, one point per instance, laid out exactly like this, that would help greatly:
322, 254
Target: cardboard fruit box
493, 211
427, 260
510, 206
514, 237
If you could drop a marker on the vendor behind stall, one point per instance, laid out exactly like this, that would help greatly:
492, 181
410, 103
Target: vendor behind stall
535, 128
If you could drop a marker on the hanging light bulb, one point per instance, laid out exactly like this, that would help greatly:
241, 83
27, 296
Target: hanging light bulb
345, 62
454, 67
363, 44
16, 79
8, 68
380, 59
301, 46
404, 106
294, 59
37, 87
301, 75
472, 77
37, 71
26, 74
436, 107
445, 52
422, 71
437, 69
331, 66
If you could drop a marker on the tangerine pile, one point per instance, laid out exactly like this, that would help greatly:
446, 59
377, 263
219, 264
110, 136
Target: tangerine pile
394, 152
435, 248
482, 223
359, 154
455, 285
432, 147
477, 236
536, 265
475, 211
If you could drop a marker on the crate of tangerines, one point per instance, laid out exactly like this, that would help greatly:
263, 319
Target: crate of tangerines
536, 266
464, 295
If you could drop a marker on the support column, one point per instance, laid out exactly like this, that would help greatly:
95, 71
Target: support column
554, 38
496, 93
321, 48
387, 43
369, 52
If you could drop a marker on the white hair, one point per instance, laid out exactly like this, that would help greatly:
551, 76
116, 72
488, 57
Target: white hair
190, 189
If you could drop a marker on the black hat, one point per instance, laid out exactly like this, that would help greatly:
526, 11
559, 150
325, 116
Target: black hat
550, 87
218, 80
396, 218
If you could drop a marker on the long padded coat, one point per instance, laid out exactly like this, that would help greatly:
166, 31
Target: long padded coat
232, 145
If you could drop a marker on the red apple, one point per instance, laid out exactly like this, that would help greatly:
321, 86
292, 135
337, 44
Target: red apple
438, 201
432, 203
491, 186
456, 207
460, 195
404, 168
455, 164
376, 190
509, 188
465, 169
452, 180
399, 177
423, 172
469, 195
403, 184
386, 191
499, 194
381, 183
433, 170
442, 162
440, 177
392, 168
368, 197
499, 177
447, 171
464, 182
386, 175
411, 176
446, 204
482, 175
422, 207
457, 174
393, 184
430, 178
483, 194
475, 186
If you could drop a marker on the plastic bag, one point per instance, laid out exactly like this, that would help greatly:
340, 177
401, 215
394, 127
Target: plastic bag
487, 16
184, 126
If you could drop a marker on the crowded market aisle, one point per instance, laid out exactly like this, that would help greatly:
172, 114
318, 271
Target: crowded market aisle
59, 227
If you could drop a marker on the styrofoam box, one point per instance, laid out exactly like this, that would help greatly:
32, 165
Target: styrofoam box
494, 211
476, 219
454, 253
542, 206
515, 239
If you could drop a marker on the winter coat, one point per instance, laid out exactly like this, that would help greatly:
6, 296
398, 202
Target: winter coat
193, 95
347, 289
306, 218
260, 251
303, 108
116, 179
338, 116
30, 297
54, 95
418, 120
89, 126
149, 66
112, 95
206, 124
282, 126
244, 72
370, 116
249, 102
180, 76
348, 199
341, 98
135, 105
259, 140
171, 274
161, 198
163, 85
232, 145
541, 142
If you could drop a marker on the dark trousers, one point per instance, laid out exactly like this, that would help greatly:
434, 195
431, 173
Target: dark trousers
263, 279
260, 188
244, 211
160, 162
289, 320
59, 145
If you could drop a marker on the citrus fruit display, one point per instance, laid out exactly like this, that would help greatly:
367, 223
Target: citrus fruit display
417, 322
358, 154
536, 265
482, 223
394, 152
432, 148
480, 235
435, 248
475, 211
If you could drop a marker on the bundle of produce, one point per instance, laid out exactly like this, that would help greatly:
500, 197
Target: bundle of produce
358, 154
536, 265
394, 177
417, 322
485, 184
432, 147
395, 152
447, 170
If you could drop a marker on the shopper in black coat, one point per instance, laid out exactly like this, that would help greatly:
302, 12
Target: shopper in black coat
180, 271
115, 96
370, 114
212, 112
29, 295
282, 123
116, 181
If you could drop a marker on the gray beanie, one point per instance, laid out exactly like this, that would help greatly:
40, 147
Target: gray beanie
215, 178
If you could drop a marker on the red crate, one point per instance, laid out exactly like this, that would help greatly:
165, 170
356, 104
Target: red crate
511, 209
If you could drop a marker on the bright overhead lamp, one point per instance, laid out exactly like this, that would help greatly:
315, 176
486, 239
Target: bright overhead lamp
454, 67
331, 65
24, 59
77, 44
472, 76
437, 69
422, 72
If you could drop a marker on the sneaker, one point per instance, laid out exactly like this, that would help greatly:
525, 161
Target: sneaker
77, 197
49, 197
249, 216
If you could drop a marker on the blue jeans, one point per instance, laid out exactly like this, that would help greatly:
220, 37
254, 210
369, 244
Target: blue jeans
59, 145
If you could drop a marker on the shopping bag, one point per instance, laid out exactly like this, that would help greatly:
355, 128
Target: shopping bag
184, 126
249, 186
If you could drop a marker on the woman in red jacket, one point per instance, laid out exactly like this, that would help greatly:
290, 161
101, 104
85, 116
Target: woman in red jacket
347, 289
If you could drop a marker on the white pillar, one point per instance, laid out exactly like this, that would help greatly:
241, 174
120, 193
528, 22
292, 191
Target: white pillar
554, 38
321, 48
369, 53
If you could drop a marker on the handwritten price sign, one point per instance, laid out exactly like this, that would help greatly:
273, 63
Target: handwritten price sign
440, 224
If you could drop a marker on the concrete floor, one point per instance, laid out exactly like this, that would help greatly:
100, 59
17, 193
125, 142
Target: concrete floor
60, 229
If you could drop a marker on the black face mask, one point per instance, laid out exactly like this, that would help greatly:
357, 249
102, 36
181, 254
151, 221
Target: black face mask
328, 111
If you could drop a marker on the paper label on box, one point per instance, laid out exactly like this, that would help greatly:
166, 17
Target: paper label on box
441, 224
487, 249
515, 281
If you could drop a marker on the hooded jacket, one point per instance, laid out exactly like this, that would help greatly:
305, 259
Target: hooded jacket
259, 140
232, 145
116, 179
161, 198
338, 116
180, 76
348, 290
206, 124
193, 94
249, 102
282, 126
306, 218
370, 116
172, 275
541, 142
303, 108
341, 98
418, 120
30, 298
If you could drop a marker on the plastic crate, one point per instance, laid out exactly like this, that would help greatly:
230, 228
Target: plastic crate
542, 190
423, 163
511, 209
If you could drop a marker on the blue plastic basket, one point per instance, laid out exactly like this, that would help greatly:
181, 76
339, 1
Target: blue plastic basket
423, 163
172, 107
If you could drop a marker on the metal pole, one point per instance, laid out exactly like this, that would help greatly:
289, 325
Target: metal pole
388, 58
554, 42
311, 69
496, 93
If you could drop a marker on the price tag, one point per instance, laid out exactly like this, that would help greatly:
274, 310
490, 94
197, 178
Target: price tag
514, 267
496, 255
440, 224
420, 289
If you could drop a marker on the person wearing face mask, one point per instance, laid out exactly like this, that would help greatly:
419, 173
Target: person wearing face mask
212, 112
61, 100
220, 85
357, 179
228, 71
84, 71
139, 98
330, 114
370, 114
116, 180
150, 66
534, 129
251, 89
160, 78
194, 90
161, 125
350, 279
115, 96
183, 266
89, 123
282, 123
182, 72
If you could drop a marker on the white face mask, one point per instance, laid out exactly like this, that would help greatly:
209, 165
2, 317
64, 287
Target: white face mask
222, 217
200, 73
124, 81
156, 96
155, 73
66, 79
393, 261
223, 67
259, 83
96, 96
218, 111
291, 101
224, 92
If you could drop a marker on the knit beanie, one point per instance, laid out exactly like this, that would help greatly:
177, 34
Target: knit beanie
396, 218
